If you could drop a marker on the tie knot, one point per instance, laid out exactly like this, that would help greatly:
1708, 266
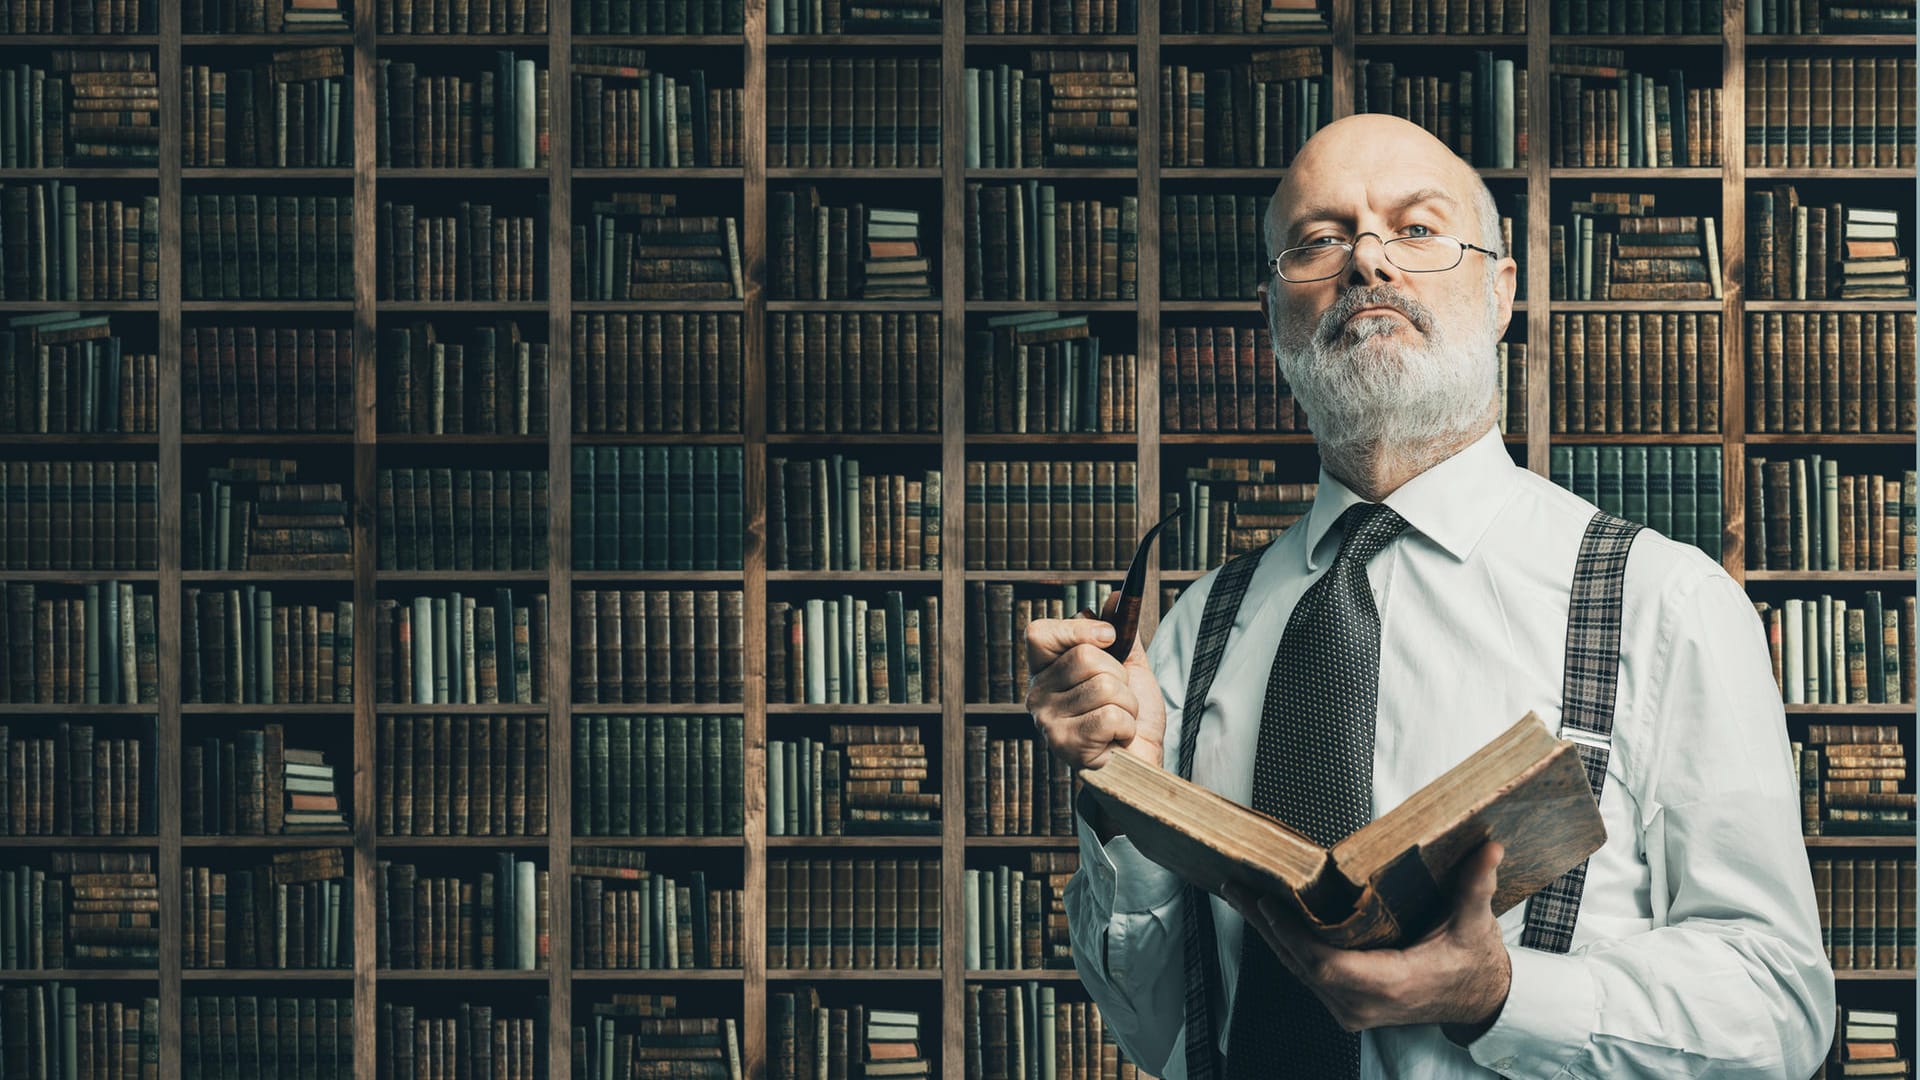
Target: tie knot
1368, 527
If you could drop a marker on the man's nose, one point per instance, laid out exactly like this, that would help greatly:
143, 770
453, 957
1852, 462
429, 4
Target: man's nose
1370, 263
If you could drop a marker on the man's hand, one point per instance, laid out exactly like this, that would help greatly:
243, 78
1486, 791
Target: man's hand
1084, 702
1456, 976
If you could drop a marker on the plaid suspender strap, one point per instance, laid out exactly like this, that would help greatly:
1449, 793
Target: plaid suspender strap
1202, 958
1593, 670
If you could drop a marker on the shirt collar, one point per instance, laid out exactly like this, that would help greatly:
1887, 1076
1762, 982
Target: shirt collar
1451, 503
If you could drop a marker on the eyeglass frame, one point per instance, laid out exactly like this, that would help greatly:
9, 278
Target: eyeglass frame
1353, 245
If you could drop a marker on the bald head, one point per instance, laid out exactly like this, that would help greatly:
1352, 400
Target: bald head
1366, 147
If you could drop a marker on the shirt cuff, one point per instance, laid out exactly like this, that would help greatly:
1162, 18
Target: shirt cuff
1547, 1020
1125, 881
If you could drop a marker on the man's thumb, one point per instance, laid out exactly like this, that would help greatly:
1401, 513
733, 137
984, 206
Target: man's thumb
1478, 879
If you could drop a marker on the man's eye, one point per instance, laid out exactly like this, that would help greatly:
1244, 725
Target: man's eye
1323, 241
1416, 230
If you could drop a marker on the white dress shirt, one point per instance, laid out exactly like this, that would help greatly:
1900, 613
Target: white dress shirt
1697, 951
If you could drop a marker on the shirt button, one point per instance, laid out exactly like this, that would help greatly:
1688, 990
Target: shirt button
1504, 1064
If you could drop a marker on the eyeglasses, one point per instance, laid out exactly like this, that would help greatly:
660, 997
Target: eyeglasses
1414, 254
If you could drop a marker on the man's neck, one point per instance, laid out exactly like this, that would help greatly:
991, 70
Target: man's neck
1376, 470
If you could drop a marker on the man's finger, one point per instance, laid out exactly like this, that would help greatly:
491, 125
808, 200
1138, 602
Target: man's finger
1047, 639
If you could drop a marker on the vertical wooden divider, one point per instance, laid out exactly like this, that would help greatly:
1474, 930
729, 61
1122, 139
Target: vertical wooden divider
1733, 278
560, 496
169, 731
953, 578
1146, 346
753, 243
1539, 228
366, 369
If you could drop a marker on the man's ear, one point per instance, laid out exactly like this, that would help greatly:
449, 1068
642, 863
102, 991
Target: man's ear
1506, 280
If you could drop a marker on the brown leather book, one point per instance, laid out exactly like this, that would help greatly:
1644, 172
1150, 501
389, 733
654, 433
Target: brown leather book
1387, 883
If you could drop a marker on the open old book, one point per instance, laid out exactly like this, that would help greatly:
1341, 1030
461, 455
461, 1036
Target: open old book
1390, 881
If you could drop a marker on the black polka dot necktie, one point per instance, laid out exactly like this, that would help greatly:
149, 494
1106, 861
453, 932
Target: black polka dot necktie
1314, 771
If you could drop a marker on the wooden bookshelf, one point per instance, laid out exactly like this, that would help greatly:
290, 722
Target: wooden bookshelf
754, 179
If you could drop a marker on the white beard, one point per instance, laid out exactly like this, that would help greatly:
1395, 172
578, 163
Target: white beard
1374, 396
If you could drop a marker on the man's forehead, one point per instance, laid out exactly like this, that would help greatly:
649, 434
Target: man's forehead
1344, 201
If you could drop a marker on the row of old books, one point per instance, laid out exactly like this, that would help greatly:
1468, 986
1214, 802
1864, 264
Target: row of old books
1211, 246
1639, 16
1223, 378
823, 514
51, 1029
1248, 16
283, 914
1851, 777
484, 920
1480, 112
240, 378
257, 514
266, 246
861, 780
1831, 111
88, 107
471, 1039
1866, 1042
63, 17
492, 383
69, 372
854, 17
635, 1034
853, 914
1257, 113
658, 775
236, 1036
659, 17
436, 518
824, 252
1450, 16
1830, 372
657, 508
480, 251
842, 372
1635, 373
1836, 17
291, 110
483, 17
1233, 506
1014, 787
1027, 1029
1675, 490
627, 116
1798, 251
238, 647
78, 515
1026, 243
253, 784
79, 910
461, 776
808, 1038
79, 644
1018, 918
1831, 651
458, 650
1052, 17
1049, 515
1607, 115
854, 651
1064, 108
263, 16
626, 916
1644, 256
498, 118
79, 780
638, 245
55, 245
686, 647
1041, 371
815, 107
998, 620
1803, 513
1866, 912
659, 372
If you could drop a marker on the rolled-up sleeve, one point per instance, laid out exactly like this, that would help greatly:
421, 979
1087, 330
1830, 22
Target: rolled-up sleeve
1124, 910
1733, 981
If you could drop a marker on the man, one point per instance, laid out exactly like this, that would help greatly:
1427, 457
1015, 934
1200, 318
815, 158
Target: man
1446, 609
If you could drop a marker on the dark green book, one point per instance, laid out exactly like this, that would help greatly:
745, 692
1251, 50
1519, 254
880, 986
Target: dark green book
1707, 501
628, 507
584, 508
1685, 495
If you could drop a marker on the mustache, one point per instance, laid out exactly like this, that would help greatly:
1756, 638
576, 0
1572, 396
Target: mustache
1353, 300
